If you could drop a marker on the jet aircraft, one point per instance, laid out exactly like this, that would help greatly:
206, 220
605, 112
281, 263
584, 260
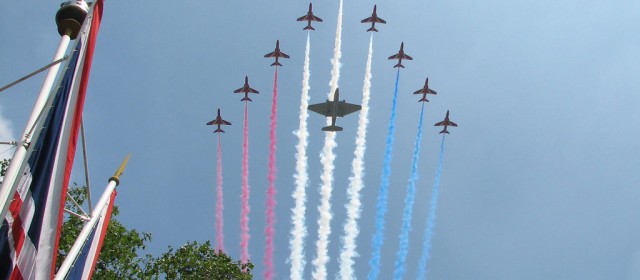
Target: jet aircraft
277, 53
424, 91
446, 123
400, 56
373, 19
309, 17
334, 109
246, 89
218, 121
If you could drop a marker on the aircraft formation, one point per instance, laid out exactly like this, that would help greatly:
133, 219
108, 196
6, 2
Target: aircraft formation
336, 108
332, 108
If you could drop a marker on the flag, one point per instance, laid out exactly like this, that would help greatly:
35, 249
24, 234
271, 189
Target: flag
29, 233
86, 262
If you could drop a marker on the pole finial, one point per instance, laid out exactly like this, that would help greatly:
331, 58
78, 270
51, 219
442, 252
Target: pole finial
123, 165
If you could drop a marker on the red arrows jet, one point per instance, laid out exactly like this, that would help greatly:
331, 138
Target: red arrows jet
446, 123
373, 19
309, 17
246, 89
400, 56
424, 91
219, 121
277, 53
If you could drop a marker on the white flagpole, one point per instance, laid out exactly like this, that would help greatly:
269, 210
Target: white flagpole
8, 187
86, 230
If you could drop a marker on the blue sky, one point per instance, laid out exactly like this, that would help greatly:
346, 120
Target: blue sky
540, 178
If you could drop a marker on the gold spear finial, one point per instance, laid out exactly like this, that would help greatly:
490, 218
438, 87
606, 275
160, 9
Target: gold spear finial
123, 165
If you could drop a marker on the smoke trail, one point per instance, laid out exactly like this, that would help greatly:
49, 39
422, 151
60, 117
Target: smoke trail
381, 203
299, 231
327, 157
353, 207
407, 214
431, 219
244, 213
219, 206
271, 190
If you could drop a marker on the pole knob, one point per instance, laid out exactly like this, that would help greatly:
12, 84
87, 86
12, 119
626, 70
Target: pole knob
70, 17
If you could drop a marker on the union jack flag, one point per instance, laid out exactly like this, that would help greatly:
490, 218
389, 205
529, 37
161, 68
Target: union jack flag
29, 233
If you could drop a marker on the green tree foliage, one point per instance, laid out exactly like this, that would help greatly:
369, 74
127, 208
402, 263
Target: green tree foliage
199, 261
122, 251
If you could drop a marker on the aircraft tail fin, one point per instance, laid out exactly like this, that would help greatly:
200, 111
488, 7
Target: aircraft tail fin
398, 65
373, 28
309, 27
246, 99
218, 130
332, 128
276, 63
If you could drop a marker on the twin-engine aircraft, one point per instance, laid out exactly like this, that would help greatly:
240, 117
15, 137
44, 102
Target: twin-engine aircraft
218, 121
400, 56
309, 17
446, 123
334, 109
373, 19
246, 89
277, 54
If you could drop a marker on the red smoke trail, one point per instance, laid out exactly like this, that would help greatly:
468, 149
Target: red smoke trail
219, 206
271, 191
244, 215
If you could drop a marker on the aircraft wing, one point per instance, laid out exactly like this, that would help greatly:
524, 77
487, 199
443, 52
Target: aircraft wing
404, 56
317, 19
271, 54
211, 122
452, 124
381, 20
345, 108
433, 91
253, 90
239, 90
302, 18
395, 56
369, 19
439, 123
226, 122
418, 91
320, 108
284, 55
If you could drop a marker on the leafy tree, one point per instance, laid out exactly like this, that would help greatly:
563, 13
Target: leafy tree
199, 261
121, 256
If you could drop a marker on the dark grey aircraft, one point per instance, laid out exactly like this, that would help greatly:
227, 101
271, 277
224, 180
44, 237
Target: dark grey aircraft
424, 91
446, 123
373, 19
246, 89
277, 53
400, 56
218, 121
309, 17
334, 109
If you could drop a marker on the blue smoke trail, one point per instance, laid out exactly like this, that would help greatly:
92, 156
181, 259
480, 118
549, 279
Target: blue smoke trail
431, 219
407, 214
381, 203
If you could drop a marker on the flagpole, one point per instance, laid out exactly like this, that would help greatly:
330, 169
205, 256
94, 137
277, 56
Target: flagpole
86, 230
68, 28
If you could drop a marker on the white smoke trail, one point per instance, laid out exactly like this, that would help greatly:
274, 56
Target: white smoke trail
299, 231
353, 207
327, 157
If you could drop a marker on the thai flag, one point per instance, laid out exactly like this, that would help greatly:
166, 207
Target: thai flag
85, 263
30, 231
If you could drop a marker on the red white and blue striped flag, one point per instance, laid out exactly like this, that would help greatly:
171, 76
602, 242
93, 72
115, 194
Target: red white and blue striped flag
85, 264
29, 233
